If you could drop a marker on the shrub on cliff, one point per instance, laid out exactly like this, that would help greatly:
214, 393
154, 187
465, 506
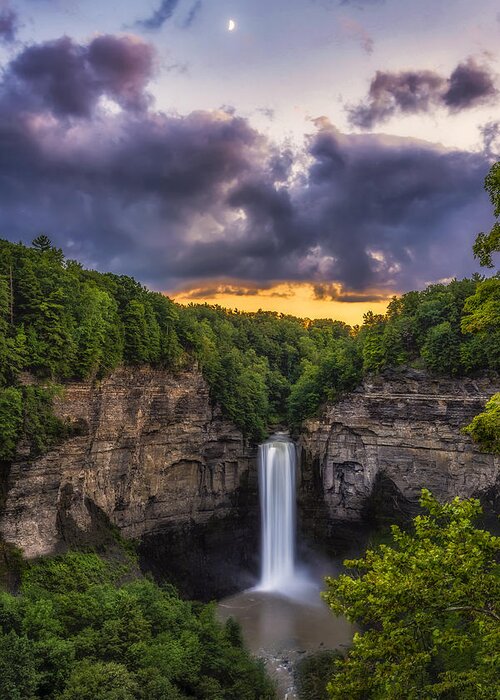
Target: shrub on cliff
485, 427
429, 604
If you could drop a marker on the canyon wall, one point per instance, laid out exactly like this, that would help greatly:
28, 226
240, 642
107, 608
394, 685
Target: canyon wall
379, 446
163, 466
155, 459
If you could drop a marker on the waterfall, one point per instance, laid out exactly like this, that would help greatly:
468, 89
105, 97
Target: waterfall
277, 499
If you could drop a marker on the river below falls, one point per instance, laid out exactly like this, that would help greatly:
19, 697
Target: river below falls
284, 618
281, 630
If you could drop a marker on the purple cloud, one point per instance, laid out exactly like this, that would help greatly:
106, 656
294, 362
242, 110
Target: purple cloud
184, 200
413, 92
68, 79
9, 23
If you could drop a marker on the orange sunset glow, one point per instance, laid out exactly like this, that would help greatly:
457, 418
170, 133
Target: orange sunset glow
295, 299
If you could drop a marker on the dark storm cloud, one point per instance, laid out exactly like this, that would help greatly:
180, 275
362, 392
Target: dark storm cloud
490, 133
412, 92
8, 24
334, 292
183, 201
233, 290
371, 213
469, 84
69, 78
407, 92
389, 210
121, 191
123, 68
159, 16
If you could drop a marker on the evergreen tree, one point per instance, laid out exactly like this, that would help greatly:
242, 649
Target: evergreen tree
42, 243
98, 338
152, 334
5, 359
372, 341
136, 349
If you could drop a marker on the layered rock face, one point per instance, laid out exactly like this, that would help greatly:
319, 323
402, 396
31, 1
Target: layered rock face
396, 434
156, 459
166, 468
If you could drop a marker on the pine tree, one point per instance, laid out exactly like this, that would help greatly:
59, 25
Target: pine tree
98, 342
134, 321
152, 334
42, 243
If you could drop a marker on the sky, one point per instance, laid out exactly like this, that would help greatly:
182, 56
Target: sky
313, 157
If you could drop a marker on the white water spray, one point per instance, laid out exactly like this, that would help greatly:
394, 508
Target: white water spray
277, 500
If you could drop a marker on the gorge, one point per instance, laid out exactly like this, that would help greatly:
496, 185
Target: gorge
249, 350
159, 462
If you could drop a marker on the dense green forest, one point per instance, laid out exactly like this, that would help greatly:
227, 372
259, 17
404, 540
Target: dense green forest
82, 628
59, 322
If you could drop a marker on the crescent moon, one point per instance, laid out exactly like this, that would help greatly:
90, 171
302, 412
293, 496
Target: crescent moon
231, 25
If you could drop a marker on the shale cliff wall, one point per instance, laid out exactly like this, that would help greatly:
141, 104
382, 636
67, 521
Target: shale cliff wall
155, 458
164, 466
395, 434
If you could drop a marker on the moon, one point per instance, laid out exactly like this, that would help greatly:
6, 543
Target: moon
231, 25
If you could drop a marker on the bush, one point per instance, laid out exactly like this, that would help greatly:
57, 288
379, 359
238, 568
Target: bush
485, 428
428, 603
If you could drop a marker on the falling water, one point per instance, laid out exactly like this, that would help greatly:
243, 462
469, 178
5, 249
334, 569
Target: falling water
277, 500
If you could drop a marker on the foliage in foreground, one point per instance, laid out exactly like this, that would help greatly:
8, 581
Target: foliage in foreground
75, 633
429, 603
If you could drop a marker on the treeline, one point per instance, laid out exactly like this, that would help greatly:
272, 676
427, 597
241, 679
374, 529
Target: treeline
451, 329
59, 321
75, 631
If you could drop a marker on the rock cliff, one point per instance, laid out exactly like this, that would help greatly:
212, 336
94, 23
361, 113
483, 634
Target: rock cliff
380, 445
159, 462
155, 459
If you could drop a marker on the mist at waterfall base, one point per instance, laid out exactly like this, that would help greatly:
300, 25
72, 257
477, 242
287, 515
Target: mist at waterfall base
283, 616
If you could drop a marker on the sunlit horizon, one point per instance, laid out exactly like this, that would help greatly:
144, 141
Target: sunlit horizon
291, 299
